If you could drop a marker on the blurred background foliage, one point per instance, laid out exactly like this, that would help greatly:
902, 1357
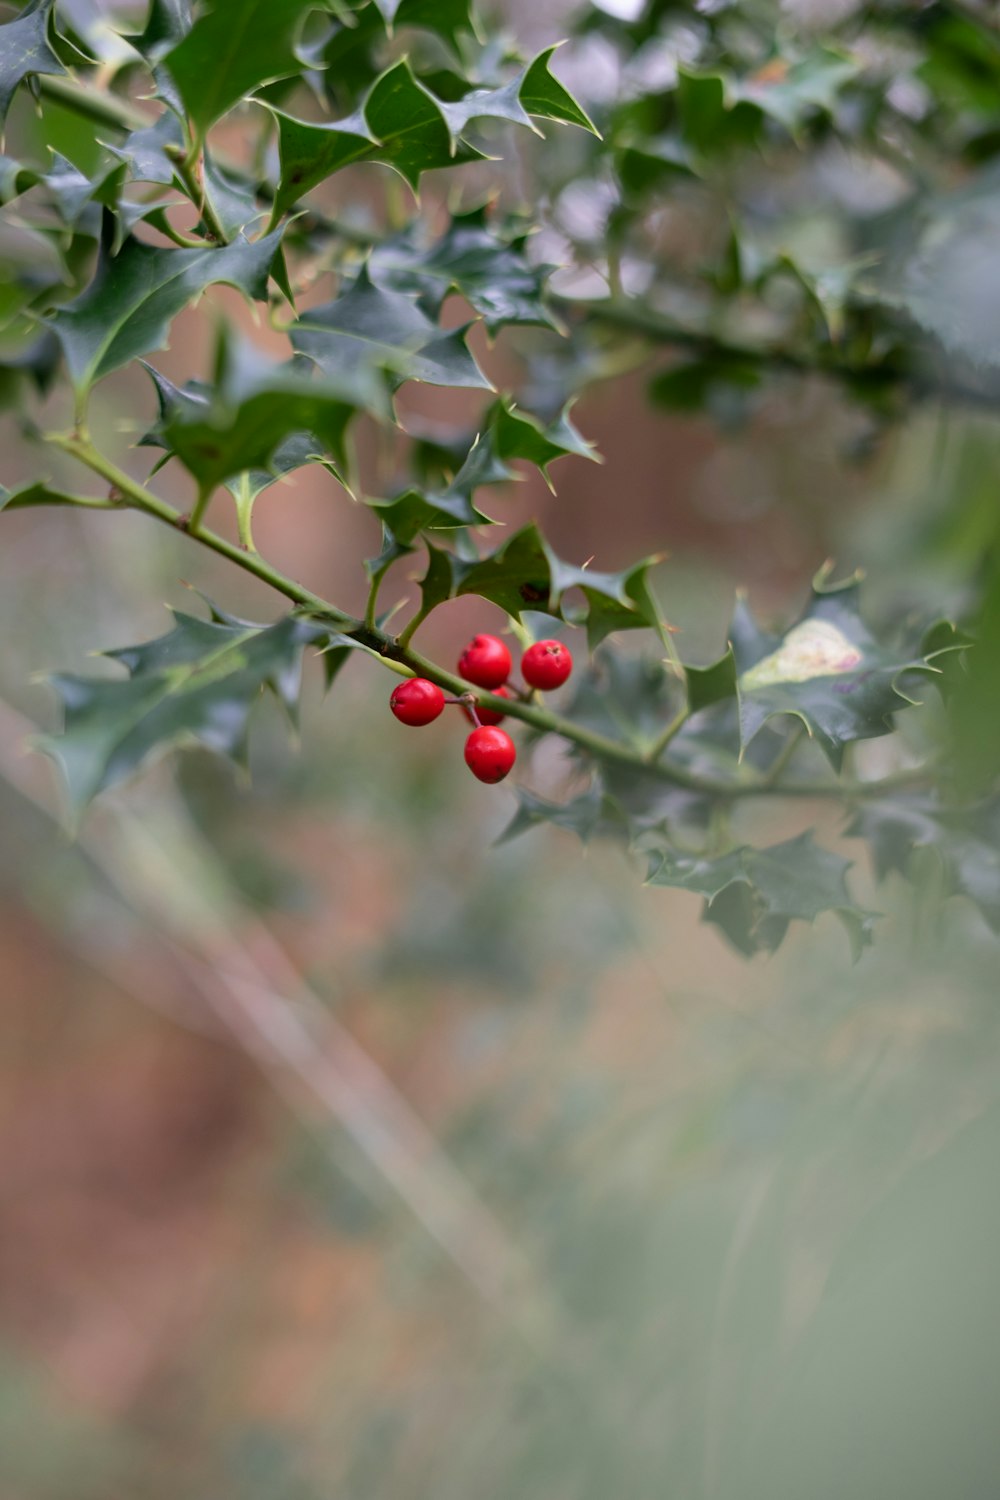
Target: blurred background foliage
347, 1155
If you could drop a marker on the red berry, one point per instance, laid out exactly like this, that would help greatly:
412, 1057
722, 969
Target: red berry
489, 753
546, 665
485, 661
487, 715
417, 701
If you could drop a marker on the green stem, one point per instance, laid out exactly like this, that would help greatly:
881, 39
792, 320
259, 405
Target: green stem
412, 626
200, 507
784, 755
193, 184
397, 655
674, 727
136, 495
371, 603
658, 328
106, 109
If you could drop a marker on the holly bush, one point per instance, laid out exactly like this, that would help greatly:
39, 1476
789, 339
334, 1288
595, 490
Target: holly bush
770, 197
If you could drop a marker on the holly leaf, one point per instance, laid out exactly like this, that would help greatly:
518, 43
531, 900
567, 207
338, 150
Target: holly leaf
134, 296
233, 198
309, 153
483, 265
25, 50
167, 22
964, 841
753, 894
449, 18
40, 492
198, 682
543, 95
582, 815
232, 49
410, 124
518, 575
712, 684
258, 419
146, 152
827, 670
615, 601
533, 91
369, 328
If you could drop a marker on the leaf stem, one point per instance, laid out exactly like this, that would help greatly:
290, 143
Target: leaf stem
784, 755
191, 174
105, 108
371, 603
674, 727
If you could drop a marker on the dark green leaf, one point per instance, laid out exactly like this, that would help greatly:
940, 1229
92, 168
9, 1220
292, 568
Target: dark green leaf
145, 152
128, 308
712, 684
581, 815
518, 575
198, 682
753, 894
543, 95
966, 842
40, 492
25, 50
253, 407
233, 199
232, 49
411, 127
369, 328
449, 18
167, 22
309, 152
484, 265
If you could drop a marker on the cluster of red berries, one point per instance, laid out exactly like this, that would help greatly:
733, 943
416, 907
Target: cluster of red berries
486, 662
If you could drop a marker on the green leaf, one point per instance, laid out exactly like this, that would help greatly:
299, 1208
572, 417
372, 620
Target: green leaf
369, 328
199, 682
25, 50
533, 91
166, 23
233, 199
438, 582
40, 492
581, 815
410, 124
129, 306
753, 894
965, 841
518, 575
486, 266
827, 670
629, 698
232, 49
517, 434
449, 18
252, 410
543, 95
615, 601
146, 152
310, 152
711, 684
